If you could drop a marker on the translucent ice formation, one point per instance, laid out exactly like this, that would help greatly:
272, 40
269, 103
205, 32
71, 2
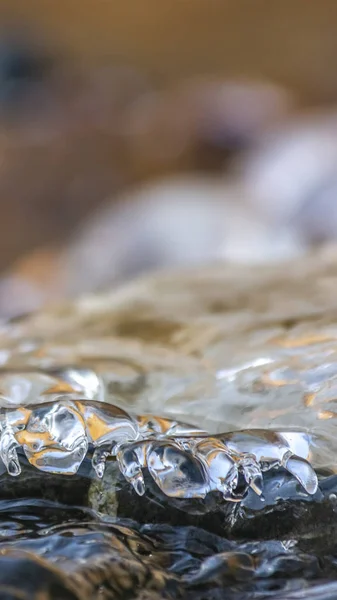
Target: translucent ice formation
183, 461
251, 353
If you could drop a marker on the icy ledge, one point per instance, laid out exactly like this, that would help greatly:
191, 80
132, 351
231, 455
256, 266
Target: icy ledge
185, 462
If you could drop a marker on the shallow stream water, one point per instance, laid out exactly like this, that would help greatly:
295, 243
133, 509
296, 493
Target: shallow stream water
225, 350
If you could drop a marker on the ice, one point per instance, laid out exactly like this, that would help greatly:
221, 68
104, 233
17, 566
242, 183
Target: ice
183, 461
177, 472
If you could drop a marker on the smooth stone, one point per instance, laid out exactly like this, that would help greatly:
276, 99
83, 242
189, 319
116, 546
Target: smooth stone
283, 510
32, 483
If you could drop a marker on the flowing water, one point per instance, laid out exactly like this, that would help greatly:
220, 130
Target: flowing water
106, 492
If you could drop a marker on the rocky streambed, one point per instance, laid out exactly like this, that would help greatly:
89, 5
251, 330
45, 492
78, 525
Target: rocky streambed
222, 348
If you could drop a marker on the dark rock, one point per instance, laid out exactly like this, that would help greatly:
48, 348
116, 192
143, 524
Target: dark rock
284, 510
31, 483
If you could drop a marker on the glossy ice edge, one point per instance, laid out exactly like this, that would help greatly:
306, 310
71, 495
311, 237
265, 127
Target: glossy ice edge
184, 461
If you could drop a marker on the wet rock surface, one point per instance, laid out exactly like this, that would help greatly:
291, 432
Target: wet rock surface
224, 349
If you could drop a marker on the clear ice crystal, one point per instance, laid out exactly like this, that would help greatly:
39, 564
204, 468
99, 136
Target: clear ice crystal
99, 459
177, 472
303, 472
131, 460
183, 461
8, 452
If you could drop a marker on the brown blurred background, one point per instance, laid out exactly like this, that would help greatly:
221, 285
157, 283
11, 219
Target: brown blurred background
226, 109
292, 41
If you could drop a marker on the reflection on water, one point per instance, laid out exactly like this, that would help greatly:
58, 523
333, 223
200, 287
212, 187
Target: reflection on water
78, 554
83, 555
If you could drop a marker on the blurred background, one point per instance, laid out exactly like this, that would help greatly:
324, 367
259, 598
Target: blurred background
140, 135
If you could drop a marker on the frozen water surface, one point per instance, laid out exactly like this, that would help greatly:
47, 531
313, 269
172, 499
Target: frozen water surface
196, 390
